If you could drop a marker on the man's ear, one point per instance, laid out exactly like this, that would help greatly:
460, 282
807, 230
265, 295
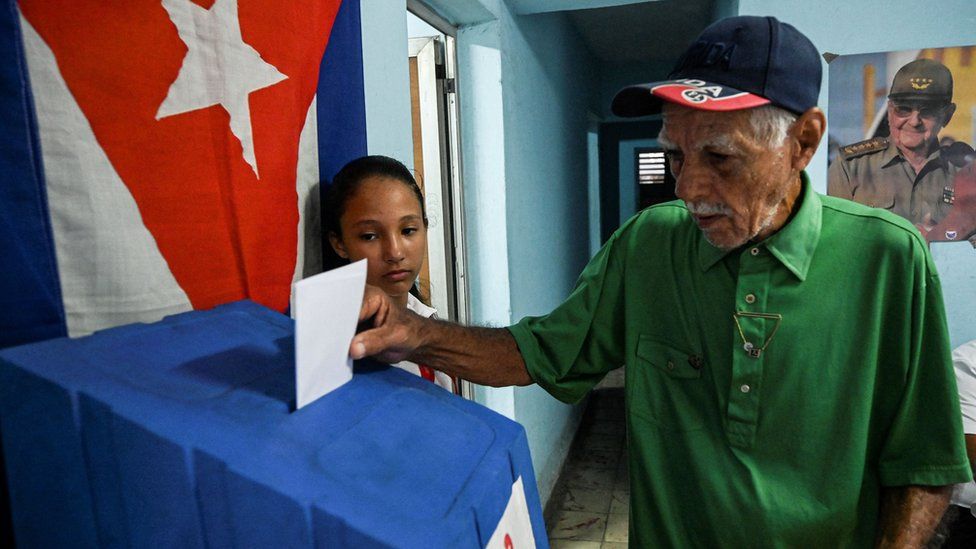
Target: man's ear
949, 111
338, 246
807, 132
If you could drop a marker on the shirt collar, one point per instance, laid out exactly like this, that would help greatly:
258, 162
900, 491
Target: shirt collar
793, 245
892, 156
419, 307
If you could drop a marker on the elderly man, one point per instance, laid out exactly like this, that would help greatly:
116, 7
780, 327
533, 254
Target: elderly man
788, 372
908, 173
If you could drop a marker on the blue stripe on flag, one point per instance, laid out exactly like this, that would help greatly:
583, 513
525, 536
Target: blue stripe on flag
31, 308
341, 98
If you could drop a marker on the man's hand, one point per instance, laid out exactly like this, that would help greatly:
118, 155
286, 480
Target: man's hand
393, 334
488, 356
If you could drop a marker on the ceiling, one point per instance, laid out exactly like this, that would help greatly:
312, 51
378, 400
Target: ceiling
617, 32
646, 32
527, 7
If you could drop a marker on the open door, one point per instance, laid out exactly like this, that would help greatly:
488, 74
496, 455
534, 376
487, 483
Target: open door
436, 151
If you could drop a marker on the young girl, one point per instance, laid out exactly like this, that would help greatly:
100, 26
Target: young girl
374, 210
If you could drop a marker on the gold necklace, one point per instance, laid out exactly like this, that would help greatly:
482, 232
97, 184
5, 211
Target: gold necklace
748, 346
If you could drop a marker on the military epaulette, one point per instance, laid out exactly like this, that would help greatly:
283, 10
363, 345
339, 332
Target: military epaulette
958, 153
864, 147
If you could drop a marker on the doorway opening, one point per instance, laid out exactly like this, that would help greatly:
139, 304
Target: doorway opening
437, 160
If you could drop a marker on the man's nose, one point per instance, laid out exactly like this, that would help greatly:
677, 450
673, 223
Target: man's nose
690, 184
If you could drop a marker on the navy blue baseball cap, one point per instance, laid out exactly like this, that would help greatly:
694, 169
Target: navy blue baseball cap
736, 63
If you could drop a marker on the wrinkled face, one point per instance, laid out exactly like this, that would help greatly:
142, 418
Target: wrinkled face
735, 187
383, 223
915, 126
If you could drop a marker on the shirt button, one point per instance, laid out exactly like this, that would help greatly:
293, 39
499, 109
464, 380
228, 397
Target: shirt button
754, 251
745, 388
750, 298
670, 365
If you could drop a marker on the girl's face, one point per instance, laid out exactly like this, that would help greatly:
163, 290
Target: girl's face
384, 224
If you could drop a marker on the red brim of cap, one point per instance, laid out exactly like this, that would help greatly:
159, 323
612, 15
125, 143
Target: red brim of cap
645, 99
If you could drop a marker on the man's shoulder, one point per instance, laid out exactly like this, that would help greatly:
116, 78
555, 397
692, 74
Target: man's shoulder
673, 208
669, 218
864, 148
666, 215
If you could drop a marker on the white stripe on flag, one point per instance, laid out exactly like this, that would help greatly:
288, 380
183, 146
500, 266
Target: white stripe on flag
110, 267
309, 259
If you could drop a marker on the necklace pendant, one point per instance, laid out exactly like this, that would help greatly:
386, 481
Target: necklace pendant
751, 350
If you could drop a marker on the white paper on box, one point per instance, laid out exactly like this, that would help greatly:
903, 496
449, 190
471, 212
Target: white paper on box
514, 530
326, 310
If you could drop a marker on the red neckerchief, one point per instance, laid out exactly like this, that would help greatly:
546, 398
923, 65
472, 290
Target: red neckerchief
426, 372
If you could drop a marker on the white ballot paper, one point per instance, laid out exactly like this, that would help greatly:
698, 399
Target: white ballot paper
326, 310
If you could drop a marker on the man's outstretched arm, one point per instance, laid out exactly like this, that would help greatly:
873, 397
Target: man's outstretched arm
487, 356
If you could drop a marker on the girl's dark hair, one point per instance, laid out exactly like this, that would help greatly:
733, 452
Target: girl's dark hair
351, 176
346, 184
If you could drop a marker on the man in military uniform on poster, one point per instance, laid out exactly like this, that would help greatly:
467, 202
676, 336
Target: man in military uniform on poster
908, 173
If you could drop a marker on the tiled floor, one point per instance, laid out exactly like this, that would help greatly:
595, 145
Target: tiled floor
589, 505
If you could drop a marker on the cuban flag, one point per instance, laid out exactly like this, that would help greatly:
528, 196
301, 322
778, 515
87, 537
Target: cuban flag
164, 155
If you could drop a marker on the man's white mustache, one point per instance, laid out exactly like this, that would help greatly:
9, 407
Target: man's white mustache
705, 208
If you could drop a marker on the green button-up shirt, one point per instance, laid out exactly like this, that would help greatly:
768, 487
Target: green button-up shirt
851, 388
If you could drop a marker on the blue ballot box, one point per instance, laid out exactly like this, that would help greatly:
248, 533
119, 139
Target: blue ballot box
182, 434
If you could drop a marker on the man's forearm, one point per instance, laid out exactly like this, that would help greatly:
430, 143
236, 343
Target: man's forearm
488, 356
909, 514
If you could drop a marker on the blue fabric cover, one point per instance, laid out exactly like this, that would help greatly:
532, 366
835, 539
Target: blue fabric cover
182, 433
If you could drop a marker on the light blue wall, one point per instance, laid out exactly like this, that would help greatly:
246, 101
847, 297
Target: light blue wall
547, 76
844, 27
387, 79
526, 7
546, 83
483, 153
524, 94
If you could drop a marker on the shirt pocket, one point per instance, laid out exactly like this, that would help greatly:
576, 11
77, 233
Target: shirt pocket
667, 387
876, 196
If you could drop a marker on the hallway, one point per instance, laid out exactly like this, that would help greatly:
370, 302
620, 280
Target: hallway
590, 503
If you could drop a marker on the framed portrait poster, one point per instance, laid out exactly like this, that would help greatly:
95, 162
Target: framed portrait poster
900, 135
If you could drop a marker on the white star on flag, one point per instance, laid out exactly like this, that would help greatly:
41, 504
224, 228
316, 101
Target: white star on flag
219, 68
